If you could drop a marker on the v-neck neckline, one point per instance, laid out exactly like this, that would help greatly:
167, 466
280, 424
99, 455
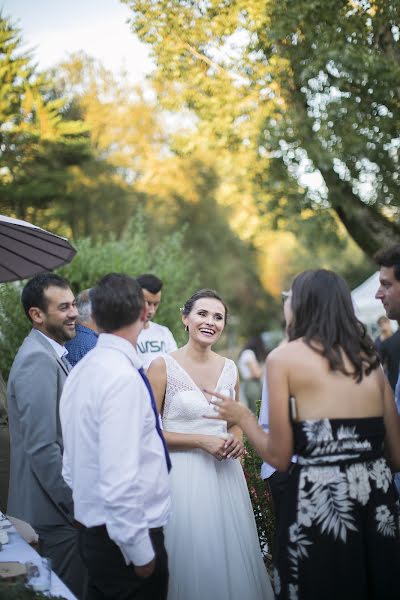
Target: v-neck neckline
195, 384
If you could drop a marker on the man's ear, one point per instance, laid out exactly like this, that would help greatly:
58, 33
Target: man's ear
143, 314
36, 315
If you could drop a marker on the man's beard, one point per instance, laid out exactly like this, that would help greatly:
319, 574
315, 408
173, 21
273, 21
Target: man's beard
58, 333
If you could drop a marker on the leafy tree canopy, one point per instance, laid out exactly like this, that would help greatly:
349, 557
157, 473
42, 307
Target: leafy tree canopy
38, 147
308, 88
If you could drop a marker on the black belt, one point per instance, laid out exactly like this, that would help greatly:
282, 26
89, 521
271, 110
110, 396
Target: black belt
103, 528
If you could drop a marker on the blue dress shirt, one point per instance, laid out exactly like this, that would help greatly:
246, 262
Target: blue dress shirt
397, 398
85, 340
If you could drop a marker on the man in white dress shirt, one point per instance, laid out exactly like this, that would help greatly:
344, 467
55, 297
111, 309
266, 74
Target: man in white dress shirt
115, 458
154, 340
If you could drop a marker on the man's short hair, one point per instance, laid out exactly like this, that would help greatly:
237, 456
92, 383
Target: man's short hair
84, 306
389, 257
150, 282
117, 301
33, 292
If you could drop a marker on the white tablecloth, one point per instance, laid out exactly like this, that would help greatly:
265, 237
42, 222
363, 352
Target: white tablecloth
19, 550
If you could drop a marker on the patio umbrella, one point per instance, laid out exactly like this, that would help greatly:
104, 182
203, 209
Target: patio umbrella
26, 250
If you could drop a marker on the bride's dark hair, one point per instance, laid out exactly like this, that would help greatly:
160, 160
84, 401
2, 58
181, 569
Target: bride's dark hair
205, 293
323, 315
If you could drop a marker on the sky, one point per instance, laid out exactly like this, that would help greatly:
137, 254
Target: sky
55, 28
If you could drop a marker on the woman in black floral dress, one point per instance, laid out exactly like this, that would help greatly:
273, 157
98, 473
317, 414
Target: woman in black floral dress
338, 536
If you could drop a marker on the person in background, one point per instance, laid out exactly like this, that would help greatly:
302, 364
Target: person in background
388, 292
390, 357
86, 330
276, 481
385, 331
115, 459
250, 364
154, 340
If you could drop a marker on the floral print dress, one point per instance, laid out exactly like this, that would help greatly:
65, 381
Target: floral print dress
338, 536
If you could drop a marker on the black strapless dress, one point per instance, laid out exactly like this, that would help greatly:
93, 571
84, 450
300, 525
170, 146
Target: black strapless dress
338, 536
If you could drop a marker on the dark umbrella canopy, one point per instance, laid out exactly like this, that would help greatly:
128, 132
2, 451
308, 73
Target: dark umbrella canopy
26, 250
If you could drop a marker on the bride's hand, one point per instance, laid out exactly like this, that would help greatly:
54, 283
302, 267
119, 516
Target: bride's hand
234, 447
214, 445
227, 409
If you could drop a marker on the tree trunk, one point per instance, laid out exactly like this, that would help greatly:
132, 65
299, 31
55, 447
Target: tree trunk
366, 225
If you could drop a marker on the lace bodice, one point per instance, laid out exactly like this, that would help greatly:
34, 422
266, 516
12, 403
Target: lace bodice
185, 404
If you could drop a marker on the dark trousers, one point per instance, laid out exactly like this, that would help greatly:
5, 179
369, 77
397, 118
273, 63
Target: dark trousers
60, 544
277, 485
109, 576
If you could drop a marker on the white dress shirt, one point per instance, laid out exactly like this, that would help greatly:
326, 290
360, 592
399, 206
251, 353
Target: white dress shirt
114, 459
60, 350
263, 420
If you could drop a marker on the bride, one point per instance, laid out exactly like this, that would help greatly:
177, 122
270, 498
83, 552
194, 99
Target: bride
211, 538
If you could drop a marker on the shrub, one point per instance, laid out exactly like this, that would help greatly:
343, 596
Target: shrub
132, 254
260, 498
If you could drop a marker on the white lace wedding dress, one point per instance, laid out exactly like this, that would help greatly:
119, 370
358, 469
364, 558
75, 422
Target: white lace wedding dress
212, 542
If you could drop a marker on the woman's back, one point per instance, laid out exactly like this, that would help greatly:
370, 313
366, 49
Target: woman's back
321, 393
339, 522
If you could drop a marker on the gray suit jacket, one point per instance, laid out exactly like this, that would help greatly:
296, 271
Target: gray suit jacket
37, 493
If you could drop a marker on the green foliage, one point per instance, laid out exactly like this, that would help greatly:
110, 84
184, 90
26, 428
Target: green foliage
222, 260
133, 254
301, 88
260, 497
14, 324
37, 146
136, 253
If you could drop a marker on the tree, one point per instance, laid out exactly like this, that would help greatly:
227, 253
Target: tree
173, 188
133, 253
306, 87
182, 192
37, 146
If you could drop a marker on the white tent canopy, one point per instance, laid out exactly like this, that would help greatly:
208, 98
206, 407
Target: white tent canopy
367, 308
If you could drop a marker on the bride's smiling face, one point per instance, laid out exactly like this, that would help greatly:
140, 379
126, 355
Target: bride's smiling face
206, 320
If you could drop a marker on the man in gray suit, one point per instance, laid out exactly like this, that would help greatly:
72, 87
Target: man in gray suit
38, 493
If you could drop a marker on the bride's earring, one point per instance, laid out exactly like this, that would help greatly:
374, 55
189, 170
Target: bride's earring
187, 328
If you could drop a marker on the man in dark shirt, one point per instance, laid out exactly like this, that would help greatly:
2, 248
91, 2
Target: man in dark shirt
390, 356
86, 331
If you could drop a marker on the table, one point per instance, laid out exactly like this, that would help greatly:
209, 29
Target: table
19, 550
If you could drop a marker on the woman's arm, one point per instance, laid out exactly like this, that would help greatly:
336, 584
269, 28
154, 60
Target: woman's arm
157, 375
280, 441
275, 447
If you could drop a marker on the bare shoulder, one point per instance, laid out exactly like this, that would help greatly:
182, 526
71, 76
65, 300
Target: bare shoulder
157, 367
286, 352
